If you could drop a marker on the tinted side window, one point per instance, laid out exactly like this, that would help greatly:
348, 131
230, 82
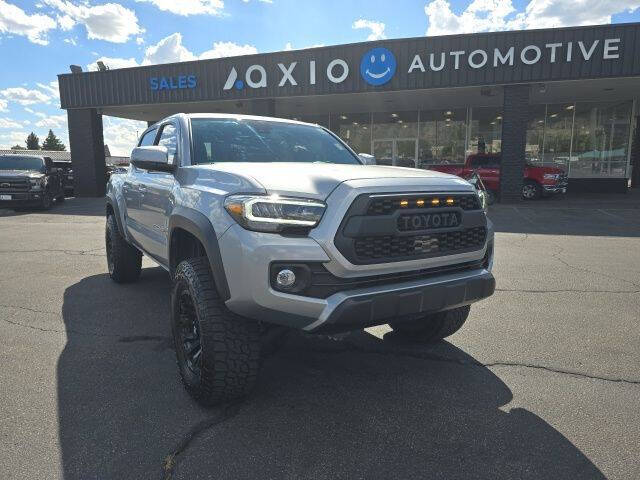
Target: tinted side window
169, 139
148, 138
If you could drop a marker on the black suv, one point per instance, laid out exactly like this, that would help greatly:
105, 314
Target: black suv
29, 181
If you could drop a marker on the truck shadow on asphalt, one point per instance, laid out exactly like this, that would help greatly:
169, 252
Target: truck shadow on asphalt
359, 407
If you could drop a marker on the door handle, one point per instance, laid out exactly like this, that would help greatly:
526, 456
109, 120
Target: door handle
142, 188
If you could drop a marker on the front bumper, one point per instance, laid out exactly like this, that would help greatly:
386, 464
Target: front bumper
19, 199
247, 257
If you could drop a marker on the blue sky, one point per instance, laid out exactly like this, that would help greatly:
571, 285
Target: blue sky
39, 39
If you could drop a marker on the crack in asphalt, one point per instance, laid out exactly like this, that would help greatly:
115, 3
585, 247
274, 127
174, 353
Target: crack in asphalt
120, 338
227, 412
341, 346
557, 254
350, 346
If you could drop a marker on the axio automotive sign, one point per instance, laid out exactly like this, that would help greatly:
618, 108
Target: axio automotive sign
482, 59
378, 65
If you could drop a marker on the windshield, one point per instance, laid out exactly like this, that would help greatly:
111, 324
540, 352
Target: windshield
21, 162
245, 140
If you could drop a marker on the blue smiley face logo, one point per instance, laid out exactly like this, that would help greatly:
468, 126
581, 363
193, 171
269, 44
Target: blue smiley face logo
377, 66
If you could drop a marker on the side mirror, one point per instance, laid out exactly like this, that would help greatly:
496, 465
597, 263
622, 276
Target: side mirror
367, 159
154, 157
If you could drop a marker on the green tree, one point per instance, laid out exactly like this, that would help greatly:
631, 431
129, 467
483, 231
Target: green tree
17, 147
33, 142
53, 143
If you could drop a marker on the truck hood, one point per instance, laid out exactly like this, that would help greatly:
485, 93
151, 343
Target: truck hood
318, 180
20, 173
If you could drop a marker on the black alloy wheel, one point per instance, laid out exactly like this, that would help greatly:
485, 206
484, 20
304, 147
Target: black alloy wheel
189, 333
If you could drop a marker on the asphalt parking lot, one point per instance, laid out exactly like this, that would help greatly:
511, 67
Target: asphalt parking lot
542, 382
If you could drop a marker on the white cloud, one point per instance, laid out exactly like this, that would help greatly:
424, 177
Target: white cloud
24, 96
170, 49
14, 137
30, 110
72, 41
189, 7
228, 49
3, 105
66, 22
14, 20
495, 15
53, 122
50, 88
139, 41
562, 13
376, 28
39, 114
8, 123
111, 21
121, 135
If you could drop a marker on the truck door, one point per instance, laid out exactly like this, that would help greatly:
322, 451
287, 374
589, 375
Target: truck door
156, 198
131, 193
488, 168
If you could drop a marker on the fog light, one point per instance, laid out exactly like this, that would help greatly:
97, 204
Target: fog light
285, 278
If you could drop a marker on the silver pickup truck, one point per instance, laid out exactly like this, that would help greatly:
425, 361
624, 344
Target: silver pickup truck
267, 224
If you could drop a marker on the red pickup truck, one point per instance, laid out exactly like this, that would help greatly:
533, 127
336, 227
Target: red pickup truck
538, 181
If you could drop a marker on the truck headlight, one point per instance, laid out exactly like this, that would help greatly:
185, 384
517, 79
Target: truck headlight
37, 183
274, 213
484, 201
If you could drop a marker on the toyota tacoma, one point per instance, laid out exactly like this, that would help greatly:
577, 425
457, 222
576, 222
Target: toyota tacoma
266, 224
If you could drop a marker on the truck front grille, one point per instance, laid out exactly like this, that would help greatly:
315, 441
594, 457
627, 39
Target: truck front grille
373, 230
388, 205
435, 244
14, 184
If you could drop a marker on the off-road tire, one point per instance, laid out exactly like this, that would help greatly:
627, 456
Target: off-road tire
434, 327
229, 358
531, 190
124, 261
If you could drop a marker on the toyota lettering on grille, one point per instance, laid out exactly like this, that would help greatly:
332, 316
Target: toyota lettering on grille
427, 221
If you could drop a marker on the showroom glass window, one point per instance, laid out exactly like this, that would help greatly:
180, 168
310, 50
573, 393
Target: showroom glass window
600, 139
557, 135
486, 131
443, 136
534, 147
354, 129
395, 136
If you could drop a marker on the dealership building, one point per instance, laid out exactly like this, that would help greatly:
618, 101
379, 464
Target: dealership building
556, 97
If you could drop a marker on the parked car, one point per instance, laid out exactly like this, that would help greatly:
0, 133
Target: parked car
28, 181
538, 181
265, 224
66, 170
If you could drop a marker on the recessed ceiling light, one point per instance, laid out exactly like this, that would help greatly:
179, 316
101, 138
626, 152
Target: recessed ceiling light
570, 107
394, 115
553, 115
355, 123
499, 117
399, 121
493, 123
448, 112
343, 117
